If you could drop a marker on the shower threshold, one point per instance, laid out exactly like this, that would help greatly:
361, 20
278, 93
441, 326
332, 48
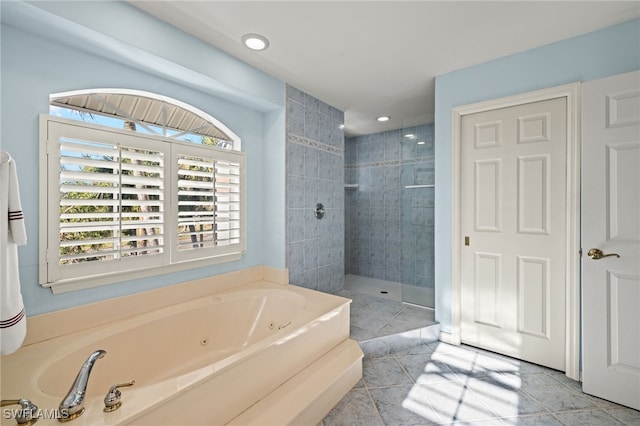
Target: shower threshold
381, 322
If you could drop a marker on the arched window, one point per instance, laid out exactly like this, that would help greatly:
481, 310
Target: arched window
144, 112
135, 185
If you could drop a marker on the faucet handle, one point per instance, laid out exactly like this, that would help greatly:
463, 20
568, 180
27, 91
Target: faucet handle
112, 401
28, 413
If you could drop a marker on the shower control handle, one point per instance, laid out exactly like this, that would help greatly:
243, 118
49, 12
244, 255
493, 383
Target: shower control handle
319, 212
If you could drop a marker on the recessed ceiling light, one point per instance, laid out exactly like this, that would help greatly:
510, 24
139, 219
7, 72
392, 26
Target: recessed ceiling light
255, 41
341, 126
383, 118
410, 136
421, 143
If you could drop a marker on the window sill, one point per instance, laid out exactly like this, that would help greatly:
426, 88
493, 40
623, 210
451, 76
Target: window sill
65, 286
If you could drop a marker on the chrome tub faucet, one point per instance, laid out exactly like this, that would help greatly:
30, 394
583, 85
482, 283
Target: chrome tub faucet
72, 405
28, 413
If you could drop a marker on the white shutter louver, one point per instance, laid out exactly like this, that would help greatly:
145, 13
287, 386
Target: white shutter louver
208, 202
111, 202
227, 192
195, 202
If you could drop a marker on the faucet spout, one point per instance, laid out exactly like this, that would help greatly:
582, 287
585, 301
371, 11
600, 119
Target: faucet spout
72, 405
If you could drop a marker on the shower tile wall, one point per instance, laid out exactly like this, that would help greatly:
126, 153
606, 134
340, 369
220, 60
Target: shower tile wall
315, 174
389, 229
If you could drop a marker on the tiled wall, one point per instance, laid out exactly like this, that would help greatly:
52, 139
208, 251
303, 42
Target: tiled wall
373, 237
389, 228
315, 174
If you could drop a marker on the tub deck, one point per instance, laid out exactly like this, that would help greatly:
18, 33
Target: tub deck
294, 375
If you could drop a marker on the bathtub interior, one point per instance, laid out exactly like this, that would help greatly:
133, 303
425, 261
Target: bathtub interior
211, 333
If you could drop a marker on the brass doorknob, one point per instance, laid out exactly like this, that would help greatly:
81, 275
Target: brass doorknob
596, 254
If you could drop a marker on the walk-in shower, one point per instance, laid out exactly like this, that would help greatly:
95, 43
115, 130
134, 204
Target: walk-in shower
389, 194
378, 229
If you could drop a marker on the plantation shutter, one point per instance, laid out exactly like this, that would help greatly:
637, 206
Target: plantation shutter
110, 202
209, 203
227, 202
110, 199
121, 203
196, 202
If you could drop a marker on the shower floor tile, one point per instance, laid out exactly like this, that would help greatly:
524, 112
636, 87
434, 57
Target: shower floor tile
387, 290
373, 316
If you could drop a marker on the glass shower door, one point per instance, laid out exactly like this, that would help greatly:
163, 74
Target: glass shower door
418, 192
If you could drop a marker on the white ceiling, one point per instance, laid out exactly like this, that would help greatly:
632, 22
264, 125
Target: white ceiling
371, 58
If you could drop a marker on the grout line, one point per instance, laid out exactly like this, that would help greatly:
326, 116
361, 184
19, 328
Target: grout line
390, 386
469, 377
373, 402
415, 384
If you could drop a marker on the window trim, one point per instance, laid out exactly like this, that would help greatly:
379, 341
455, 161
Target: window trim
46, 234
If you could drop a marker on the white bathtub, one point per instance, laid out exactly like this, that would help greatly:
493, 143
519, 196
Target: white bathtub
259, 354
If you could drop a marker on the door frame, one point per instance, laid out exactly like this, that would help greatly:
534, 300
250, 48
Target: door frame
572, 219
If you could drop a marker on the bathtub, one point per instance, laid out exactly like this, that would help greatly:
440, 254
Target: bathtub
261, 353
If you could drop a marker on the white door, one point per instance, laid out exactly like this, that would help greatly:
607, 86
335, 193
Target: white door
513, 220
611, 224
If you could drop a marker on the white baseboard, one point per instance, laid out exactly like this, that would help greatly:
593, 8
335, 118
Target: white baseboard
451, 338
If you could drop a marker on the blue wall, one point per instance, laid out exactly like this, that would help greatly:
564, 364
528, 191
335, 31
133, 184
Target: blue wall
59, 49
599, 54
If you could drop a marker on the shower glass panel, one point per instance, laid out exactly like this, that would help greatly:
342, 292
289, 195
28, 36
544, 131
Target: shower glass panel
417, 193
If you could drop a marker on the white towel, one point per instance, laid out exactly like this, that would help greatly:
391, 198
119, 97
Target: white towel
13, 323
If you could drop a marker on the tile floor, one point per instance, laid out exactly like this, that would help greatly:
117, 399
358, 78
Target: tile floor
373, 316
436, 383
